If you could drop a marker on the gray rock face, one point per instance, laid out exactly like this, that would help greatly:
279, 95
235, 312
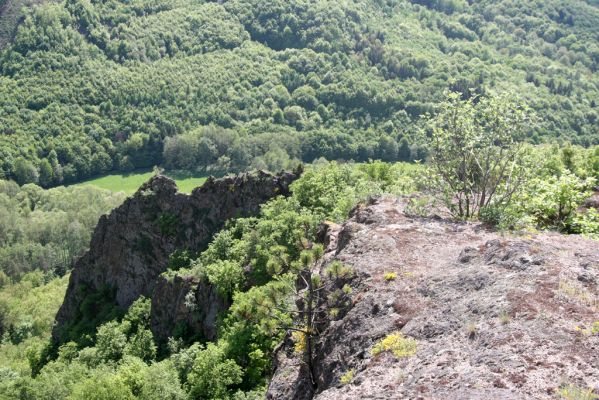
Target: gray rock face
130, 247
593, 201
494, 317
186, 304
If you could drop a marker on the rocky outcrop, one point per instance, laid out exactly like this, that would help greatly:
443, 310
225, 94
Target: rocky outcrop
130, 247
493, 316
593, 201
185, 306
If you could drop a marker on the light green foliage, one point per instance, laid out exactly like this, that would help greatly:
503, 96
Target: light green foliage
212, 375
161, 383
141, 345
397, 344
130, 337
105, 386
257, 309
41, 232
44, 229
552, 196
193, 30
57, 380
586, 223
347, 377
553, 202
227, 276
594, 162
128, 183
26, 307
111, 341
331, 190
476, 153
152, 382
27, 311
90, 87
572, 392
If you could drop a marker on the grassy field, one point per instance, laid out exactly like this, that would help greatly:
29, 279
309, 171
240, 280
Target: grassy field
130, 182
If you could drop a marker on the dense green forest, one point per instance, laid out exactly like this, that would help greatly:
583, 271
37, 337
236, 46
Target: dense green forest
122, 360
88, 87
45, 229
41, 232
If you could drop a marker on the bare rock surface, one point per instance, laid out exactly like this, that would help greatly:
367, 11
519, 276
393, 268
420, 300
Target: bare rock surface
593, 201
130, 247
494, 316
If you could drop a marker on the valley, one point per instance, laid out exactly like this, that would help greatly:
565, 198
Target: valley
299, 199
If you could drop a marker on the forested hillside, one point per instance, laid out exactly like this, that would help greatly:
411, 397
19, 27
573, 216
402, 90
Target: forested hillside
253, 264
88, 87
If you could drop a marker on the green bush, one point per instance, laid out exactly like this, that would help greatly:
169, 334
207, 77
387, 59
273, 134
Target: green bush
141, 344
212, 375
102, 386
553, 202
111, 341
227, 276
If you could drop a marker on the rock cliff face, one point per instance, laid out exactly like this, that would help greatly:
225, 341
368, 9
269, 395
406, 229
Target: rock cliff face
494, 317
185, 304
130, 247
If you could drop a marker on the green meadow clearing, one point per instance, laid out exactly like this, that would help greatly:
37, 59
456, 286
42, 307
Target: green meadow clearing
130, 182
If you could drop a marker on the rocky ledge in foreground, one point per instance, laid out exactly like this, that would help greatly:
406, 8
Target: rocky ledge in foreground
130, 247
493, 316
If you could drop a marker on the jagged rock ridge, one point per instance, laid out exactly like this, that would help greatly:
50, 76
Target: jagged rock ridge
130, 247
494, 316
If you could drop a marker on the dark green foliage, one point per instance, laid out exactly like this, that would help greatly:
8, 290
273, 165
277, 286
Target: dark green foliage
168, 223
143, 244
179, 259
97, 308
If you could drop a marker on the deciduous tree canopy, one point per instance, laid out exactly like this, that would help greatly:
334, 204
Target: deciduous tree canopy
89, 87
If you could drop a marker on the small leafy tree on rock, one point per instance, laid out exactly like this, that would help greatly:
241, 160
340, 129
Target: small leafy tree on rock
476, 151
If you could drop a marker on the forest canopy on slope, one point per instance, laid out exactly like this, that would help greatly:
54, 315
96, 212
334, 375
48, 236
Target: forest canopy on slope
88, 87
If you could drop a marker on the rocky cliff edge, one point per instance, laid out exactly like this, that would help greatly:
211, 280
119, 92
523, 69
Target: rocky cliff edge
130, 247
493, 316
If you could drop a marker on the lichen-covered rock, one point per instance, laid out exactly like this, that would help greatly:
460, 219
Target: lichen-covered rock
130, 247
493, 316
